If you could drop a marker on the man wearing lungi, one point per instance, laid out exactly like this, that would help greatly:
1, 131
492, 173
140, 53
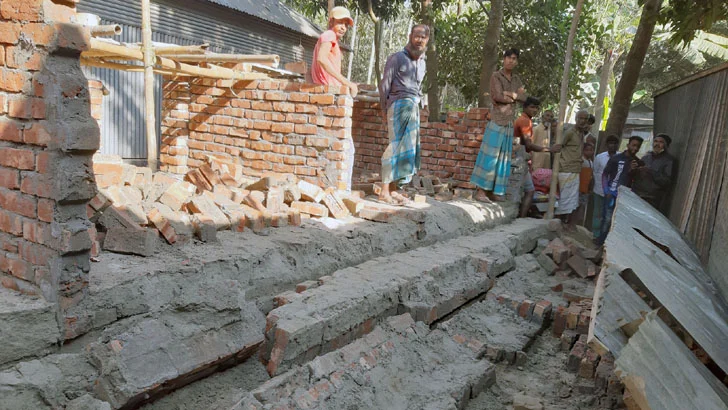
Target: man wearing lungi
400, 94
493, 166
570, 167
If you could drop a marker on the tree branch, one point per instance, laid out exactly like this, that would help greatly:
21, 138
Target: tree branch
373, 16
482, 6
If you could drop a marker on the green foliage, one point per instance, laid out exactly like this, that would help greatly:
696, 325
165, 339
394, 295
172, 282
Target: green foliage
539, 29
687, 17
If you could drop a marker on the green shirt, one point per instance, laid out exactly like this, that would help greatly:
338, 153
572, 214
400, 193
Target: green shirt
571, 151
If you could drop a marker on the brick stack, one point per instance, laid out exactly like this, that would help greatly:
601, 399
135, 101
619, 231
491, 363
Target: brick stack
134, 206
449, 149
266, 126
46, 142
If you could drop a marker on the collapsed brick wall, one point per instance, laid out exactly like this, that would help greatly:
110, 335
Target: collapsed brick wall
268, 126
47, 138
449, 149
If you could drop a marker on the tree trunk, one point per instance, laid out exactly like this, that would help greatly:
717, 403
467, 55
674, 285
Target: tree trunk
563, 102
490, 51
353, 46
378, 34
371, 63
610, 57
432, 63
332, 4
632, 67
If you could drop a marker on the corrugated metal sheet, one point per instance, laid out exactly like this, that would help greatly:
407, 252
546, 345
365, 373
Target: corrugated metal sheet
195, 22
274, 12
695, 114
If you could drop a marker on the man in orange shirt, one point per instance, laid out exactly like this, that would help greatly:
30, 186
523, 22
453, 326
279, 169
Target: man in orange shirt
326, 65
326, 70
523, 131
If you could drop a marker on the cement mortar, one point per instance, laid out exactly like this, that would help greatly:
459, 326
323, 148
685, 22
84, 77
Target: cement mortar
218, 392
28, 327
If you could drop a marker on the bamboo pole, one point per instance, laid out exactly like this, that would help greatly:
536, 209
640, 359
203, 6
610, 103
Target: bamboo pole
148, 57
94, 62
562, 107
120, 52
173, 50
106, 31
269, 60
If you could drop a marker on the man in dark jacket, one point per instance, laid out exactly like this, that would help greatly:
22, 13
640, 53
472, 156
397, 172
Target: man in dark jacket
618, 172
653, 176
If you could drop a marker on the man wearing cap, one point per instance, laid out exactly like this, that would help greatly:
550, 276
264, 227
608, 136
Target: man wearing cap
326, 70
326, 65
400, 96
653, 175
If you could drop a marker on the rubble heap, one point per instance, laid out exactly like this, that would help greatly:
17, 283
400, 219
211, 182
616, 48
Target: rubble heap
134, 206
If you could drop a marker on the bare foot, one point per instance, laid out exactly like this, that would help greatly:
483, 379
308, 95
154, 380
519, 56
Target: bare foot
401, 198
495, 198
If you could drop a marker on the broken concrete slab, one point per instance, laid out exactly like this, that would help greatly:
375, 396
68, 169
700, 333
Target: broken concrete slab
121, 286
29, 326
368, 373
491, 330
142, 242
430, 283
47, 383
144, 357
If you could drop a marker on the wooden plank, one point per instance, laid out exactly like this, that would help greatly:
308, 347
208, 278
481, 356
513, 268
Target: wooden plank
662, 373
680, 285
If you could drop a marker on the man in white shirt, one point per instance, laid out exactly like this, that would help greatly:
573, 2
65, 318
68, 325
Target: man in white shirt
600, 162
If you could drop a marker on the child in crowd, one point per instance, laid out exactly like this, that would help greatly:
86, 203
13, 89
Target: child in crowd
586, 180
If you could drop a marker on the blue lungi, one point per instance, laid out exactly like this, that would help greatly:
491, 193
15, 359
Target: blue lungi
493, 166
401, 159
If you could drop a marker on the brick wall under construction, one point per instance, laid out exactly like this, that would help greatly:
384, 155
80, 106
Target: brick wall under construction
265, 125
47, 139
449, 149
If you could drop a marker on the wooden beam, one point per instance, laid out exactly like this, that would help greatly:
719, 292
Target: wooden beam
149, 108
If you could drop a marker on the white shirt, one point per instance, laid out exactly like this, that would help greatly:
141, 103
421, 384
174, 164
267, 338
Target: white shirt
600, 162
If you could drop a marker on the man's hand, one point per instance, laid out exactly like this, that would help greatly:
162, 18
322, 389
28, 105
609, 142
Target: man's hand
556, 148
634, 164
521, 91
353, 89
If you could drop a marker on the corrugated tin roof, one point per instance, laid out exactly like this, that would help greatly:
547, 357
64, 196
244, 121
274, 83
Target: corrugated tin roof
275, 12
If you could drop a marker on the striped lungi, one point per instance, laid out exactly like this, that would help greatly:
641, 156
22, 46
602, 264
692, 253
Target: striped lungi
401, 159
493, 166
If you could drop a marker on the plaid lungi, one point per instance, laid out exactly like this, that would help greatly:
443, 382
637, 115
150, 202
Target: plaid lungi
493, 166
401, 159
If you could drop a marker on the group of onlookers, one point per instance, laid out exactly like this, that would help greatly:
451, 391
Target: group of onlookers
580, 177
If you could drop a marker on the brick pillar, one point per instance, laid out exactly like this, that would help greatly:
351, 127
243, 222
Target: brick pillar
175, 129
46, 147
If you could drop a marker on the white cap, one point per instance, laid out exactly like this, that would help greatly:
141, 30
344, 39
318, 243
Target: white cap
341, 13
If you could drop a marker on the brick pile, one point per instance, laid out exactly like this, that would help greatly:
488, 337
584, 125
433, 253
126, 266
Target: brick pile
568, 257
47, 137
267, 126
449, 149
133, 205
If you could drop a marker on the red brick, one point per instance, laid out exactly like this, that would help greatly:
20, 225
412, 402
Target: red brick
9, 32
310, 208
39, 33
45, 210
24, 59
13, 81
24, 10
26, 108
322, 99
36, 184
9, 178
10, 131
17, 267
37, 134
17, 158
305, 129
